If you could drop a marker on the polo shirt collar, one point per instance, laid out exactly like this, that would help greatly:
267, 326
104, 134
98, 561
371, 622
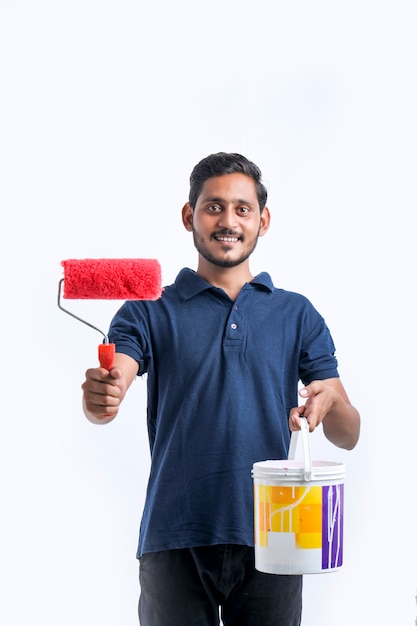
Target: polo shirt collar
189, 284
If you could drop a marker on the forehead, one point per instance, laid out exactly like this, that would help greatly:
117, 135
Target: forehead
231, 187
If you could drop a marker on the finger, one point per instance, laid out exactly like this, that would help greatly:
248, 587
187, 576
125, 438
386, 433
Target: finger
101, 404
295, 414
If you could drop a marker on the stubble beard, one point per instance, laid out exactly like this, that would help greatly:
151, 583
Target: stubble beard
217, 260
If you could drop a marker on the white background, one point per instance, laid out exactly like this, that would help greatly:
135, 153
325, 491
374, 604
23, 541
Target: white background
105, 107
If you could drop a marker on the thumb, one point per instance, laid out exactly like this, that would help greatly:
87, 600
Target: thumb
116, 373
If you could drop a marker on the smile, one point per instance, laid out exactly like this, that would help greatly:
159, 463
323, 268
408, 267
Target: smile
226, 239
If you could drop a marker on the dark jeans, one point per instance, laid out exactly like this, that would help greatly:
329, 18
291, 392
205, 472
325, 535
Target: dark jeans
186, 588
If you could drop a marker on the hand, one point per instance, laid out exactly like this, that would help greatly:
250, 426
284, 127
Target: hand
327, 403
320, 397
103, 392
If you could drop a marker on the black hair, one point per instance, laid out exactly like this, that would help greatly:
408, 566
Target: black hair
223, 163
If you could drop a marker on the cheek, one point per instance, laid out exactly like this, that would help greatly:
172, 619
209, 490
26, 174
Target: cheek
200, 224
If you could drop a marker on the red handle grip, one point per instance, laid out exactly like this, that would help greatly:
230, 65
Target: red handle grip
106, 355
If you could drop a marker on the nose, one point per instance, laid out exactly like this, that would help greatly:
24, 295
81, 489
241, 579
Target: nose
228, 218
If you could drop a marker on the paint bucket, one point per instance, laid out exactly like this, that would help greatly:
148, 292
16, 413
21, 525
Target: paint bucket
298, 513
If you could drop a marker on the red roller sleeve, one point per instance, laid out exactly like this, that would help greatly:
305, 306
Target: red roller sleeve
112, 279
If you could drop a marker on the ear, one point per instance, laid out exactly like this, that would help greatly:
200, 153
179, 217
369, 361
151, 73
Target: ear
187, 216
265, 221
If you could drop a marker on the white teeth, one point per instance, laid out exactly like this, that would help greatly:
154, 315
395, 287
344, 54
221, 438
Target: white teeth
228, 239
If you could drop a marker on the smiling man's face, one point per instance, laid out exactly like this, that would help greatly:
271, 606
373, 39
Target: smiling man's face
226, 221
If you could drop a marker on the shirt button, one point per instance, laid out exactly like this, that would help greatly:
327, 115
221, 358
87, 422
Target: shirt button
233, 326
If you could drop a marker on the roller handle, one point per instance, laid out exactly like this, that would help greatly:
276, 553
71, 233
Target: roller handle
106, 355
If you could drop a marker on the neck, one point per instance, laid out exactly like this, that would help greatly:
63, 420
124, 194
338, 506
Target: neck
230, 279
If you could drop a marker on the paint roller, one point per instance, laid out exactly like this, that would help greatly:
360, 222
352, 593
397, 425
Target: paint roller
108, 279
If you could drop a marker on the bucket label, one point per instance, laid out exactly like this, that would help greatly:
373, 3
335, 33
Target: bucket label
301, 520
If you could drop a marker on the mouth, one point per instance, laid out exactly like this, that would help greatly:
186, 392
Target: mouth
227, 238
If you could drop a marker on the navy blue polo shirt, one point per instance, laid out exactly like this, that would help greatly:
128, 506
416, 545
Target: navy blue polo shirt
222, 376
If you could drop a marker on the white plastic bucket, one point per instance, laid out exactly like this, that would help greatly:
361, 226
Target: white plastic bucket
298, 513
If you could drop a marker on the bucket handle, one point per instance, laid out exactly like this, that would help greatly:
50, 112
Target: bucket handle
308, 467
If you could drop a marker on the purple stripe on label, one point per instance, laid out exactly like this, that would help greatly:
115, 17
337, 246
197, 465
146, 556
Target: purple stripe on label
332, 526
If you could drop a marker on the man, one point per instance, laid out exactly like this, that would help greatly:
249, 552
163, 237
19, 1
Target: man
224, 352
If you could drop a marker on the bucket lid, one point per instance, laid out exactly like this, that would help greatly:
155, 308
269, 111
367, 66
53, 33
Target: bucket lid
290, 470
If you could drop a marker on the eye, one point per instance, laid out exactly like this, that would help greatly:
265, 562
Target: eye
214, 208
244, 210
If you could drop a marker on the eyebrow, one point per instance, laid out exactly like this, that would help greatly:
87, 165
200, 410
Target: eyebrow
222, 200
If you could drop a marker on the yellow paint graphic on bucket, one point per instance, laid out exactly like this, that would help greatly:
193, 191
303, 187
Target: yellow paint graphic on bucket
290, 509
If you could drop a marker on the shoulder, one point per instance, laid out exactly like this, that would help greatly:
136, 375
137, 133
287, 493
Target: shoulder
293, 309
264, 282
